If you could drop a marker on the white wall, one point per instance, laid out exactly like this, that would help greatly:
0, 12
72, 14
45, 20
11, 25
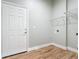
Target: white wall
58, 11
39, 14
72, 4
59, 22
42, 16
73, 23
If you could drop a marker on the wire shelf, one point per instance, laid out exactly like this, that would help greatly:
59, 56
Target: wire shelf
58, 21
72, 18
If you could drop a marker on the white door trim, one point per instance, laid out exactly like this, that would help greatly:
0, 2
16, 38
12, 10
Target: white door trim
13, 4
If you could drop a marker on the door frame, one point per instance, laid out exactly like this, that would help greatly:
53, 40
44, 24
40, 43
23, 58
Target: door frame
27, 10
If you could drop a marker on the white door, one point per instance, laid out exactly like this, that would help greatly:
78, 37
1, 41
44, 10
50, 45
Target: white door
14, 29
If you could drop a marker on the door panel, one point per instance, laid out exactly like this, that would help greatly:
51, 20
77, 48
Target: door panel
14, 23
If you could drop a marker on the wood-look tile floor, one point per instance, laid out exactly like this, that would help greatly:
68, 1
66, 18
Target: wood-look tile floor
50, 52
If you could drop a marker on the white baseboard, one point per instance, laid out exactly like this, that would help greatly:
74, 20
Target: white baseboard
38, 47
57, 45
72, 49
65, 48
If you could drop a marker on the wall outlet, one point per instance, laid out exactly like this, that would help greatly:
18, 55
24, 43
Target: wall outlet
57, 30
76, 34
